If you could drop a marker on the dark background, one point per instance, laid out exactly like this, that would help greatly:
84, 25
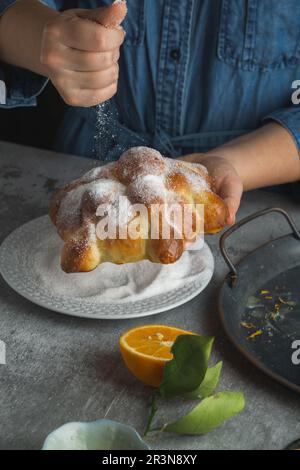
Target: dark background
27, 126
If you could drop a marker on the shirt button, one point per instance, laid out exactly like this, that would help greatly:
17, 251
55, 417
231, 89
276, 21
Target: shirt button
175, 54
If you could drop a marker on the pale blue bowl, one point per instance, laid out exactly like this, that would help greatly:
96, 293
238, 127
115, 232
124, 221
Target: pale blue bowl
96, 435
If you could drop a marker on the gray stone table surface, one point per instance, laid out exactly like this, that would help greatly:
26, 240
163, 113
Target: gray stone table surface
62, 369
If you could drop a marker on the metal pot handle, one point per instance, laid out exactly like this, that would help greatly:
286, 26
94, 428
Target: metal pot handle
233, 274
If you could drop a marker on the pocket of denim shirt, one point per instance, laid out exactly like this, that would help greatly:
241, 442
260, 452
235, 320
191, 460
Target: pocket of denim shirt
134, 23
260, 35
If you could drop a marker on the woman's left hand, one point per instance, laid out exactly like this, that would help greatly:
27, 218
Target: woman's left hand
228, 184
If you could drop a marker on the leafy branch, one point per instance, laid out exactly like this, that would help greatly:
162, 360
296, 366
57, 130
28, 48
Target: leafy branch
188, 375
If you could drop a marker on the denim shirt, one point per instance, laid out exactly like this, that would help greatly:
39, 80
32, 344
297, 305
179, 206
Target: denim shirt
194, 74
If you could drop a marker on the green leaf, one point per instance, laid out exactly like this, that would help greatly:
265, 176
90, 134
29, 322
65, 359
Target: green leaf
153, 411
209, 414
209, 384
186, 371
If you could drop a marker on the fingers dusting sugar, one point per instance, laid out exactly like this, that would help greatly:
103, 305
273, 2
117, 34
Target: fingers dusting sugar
115, 14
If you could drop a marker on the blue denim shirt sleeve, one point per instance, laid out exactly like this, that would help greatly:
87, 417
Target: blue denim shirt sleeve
290, 119
20, 87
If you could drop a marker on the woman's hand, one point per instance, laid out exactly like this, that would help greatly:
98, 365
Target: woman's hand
80, 52
227, 182
265, 157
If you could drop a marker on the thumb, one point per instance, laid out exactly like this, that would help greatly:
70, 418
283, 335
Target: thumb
232, 208
232, 198
109, 17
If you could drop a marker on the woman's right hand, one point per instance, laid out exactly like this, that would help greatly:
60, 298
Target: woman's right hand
80, 52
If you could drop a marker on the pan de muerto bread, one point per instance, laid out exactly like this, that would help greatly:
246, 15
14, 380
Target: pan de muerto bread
120, 212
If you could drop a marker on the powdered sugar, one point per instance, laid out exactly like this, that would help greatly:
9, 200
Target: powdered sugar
106, 130
69, 210
195, 180
106, 189
99, 172
141, 176
102, 191
157, 183
148, 189
109, 282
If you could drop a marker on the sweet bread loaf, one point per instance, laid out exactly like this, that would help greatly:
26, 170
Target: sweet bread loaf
105, 200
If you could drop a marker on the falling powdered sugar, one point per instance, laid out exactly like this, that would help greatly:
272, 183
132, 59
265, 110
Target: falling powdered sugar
102, 136
106, 136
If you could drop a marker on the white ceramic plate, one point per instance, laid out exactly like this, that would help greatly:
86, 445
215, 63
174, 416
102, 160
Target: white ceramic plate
29, 262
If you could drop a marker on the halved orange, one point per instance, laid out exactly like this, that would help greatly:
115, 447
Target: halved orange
146, 349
